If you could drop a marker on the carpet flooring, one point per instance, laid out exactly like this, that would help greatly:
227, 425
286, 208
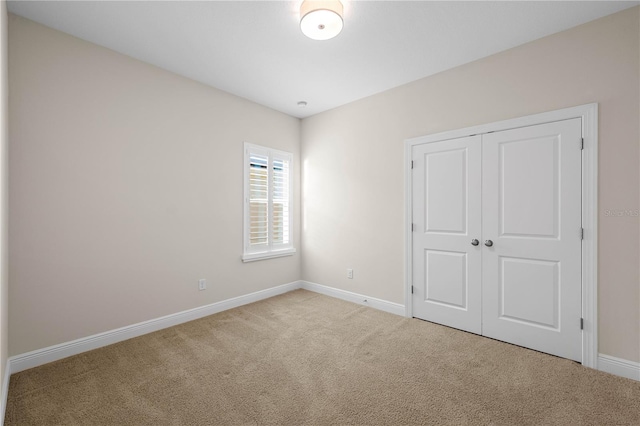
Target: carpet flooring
306, 359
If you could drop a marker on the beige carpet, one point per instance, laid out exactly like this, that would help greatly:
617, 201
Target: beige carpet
302, 358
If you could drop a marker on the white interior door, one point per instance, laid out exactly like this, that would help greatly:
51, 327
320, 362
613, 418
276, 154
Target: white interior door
519, 193
532, 213
446, 205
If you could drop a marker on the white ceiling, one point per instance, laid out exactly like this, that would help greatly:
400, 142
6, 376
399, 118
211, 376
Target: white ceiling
256, 49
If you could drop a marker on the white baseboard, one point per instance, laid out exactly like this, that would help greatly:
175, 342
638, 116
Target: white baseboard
383, 305
53, 353
619, 367
49, 354
5, 391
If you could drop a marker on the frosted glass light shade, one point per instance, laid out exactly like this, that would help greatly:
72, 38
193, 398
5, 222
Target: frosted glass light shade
321, 19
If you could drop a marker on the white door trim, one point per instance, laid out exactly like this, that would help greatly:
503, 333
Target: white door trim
589, 115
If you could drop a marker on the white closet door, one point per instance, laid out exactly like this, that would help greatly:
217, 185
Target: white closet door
446, 215
532, 215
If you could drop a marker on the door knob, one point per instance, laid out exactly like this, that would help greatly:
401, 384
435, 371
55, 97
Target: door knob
475, 242
488, 243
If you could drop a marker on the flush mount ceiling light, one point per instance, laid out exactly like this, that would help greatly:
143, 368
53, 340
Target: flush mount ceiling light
321, 19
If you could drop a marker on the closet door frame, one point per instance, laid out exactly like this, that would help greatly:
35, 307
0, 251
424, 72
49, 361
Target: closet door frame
589, 115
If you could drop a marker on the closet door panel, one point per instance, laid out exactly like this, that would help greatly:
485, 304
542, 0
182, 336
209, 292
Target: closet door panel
532, 215
446, 216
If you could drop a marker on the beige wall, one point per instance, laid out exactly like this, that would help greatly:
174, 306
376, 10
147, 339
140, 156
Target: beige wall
353, 207
126, 188
4, 192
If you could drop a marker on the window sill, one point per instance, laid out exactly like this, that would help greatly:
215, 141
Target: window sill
252, 257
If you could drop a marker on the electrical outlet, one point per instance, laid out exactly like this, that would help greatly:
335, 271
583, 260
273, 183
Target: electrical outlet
350, 273
202, 284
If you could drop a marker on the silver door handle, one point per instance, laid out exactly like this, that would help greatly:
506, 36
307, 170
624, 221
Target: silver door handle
475, 242
488, 243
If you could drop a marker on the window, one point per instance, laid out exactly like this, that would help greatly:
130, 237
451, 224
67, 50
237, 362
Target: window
267, 203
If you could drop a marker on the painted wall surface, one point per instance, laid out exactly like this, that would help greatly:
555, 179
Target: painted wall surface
126, 187
4, 191
353, 170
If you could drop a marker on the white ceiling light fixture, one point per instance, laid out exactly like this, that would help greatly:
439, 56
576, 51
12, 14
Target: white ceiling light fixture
321, 19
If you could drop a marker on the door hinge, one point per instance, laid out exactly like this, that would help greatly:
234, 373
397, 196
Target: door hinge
582, 233
582, 143
411, 289
581, 323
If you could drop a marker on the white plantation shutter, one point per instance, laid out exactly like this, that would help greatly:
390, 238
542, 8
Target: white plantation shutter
280, 200
258, 200
267, 203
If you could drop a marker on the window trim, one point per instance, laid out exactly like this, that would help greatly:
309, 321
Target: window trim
280, 250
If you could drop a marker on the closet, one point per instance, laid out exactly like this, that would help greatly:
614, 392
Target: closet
496, 235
